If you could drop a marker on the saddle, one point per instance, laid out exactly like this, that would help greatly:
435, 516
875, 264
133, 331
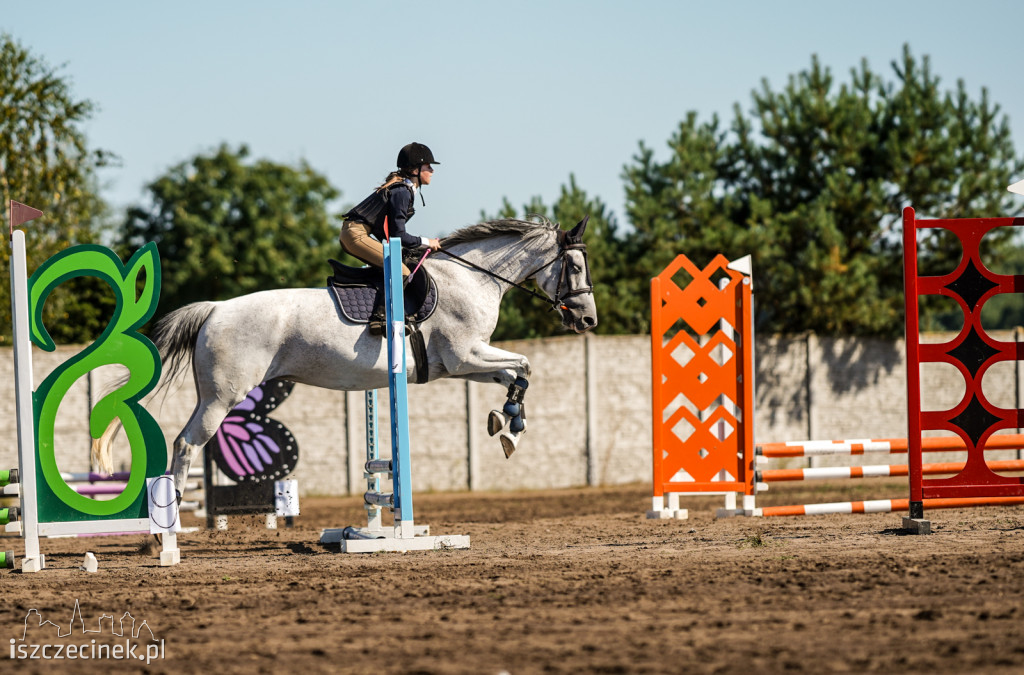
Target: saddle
357, 291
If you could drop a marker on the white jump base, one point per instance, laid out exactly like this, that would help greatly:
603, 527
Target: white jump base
364, 540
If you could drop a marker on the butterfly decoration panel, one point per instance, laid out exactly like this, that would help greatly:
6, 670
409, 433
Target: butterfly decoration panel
250, 446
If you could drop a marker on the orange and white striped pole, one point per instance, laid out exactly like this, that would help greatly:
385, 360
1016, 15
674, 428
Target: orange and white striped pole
860, 446
883, 506
875, 471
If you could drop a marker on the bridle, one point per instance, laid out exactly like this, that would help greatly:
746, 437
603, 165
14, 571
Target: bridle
566, 243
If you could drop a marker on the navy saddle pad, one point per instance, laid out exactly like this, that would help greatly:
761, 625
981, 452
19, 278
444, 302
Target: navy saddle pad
355, 291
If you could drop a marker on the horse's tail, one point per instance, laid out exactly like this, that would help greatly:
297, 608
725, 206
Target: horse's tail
175, 339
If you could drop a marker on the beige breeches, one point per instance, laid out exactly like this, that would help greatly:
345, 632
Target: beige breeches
356, 240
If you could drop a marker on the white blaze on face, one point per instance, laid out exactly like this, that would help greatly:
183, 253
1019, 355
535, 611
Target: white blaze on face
1017, 188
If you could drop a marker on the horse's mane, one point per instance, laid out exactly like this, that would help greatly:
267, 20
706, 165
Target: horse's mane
527, 229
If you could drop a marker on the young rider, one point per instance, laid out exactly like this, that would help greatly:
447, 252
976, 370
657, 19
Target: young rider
363, 230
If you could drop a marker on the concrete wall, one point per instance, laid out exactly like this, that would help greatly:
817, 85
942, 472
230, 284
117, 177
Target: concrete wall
588, 412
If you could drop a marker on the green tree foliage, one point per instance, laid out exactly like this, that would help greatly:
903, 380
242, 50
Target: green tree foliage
812, 184
226, 226
1003, 311
45, 162
523, 316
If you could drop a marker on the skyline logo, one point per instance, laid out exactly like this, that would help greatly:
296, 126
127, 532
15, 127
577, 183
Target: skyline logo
128, 638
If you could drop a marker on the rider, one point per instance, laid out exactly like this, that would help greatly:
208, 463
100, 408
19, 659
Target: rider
363, 231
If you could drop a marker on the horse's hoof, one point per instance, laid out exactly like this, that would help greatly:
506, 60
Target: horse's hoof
495, 422
508, 444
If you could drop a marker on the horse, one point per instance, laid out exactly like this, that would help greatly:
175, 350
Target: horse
300, 335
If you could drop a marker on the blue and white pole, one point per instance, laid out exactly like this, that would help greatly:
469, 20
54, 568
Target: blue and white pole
398, 386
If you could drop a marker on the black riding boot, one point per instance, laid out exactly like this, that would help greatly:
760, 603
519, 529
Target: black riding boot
378, 317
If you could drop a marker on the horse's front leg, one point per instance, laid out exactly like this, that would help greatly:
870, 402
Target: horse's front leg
490, 364
512, 415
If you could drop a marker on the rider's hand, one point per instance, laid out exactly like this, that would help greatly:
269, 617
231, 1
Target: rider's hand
435, 245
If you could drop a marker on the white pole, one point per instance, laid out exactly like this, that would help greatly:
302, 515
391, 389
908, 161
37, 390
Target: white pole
23, 386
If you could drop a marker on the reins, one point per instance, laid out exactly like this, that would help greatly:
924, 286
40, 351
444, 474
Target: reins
567, 241
554, 305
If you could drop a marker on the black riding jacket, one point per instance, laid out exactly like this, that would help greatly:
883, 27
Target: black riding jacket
395, 202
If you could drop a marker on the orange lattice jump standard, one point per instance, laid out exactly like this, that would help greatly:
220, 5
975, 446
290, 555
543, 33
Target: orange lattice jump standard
702, 435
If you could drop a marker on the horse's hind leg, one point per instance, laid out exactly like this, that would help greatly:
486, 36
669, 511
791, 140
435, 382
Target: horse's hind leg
205, 420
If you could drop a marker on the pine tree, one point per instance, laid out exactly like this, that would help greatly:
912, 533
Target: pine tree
812, 184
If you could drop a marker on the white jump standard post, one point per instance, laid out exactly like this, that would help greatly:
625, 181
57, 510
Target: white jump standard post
34, 560
406, 535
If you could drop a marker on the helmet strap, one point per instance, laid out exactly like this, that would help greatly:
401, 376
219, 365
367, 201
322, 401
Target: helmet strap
419, 184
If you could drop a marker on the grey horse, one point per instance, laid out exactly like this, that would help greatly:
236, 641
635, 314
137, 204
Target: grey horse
299, 335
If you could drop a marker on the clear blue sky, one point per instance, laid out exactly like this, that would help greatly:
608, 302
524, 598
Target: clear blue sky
512, 97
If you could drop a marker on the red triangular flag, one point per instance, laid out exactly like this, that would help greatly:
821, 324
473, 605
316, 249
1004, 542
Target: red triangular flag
387, 236
22, 213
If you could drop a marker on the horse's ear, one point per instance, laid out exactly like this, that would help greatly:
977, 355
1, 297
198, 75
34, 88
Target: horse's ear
576, 233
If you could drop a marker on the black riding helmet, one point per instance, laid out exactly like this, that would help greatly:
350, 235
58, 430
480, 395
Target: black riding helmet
415, 155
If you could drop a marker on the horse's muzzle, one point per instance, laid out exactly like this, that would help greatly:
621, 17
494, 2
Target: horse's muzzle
578, 321
585, 323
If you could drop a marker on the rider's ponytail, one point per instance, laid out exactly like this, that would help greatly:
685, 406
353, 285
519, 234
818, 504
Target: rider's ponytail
394, 177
